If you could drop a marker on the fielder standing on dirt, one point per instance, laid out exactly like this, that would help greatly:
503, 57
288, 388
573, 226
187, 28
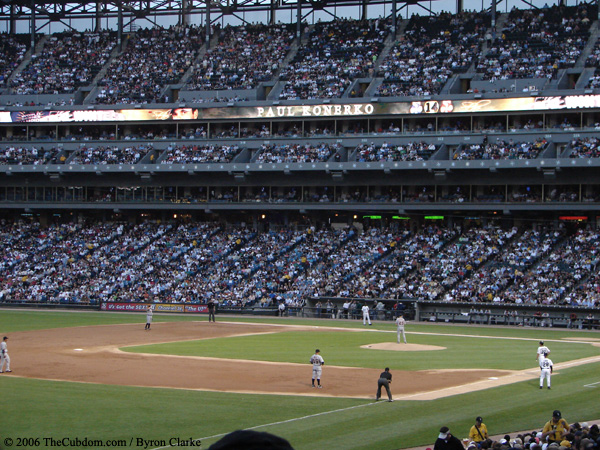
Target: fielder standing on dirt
317, 361
4, 358
148, 318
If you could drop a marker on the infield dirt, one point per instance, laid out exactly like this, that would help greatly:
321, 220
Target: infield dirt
92, 355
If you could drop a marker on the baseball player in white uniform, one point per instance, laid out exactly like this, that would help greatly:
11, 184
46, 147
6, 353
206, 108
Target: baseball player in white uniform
148, 318
547, 367
4, 358
541, 350
366, 318
400, 322
317, 361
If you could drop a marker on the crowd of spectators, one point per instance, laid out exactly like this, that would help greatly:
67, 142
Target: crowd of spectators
594, 81
194, 262
412, 151
534, 43
350, 274
297, 153
230, 279
67, 61
336, 53
537, 43
587, 147
593, 60
458, 255
432, 49
151, 60
564, 267
275, 281
243, 57
16, 155
111, 154
522, 251
12, 51
208, 153
501, 150
217, 99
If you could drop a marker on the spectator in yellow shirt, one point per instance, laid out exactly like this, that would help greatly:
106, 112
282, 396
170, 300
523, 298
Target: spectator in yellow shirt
556, 428
478, 431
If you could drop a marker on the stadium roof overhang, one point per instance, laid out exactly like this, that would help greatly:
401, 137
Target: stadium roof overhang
153, 11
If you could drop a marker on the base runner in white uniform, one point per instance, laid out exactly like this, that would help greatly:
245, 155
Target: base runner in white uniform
4, 358
547, 367
366, 317
317, 361
400, 322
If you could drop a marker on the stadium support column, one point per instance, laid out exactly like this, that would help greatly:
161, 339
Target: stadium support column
299, 20
493, 20
32, 25
13, 20
207, 24
272, 11
184, 19
120, 26
459, 6
98, 18
395, 18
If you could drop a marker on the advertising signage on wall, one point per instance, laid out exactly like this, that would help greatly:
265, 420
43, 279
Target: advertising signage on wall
522, 104
158, 307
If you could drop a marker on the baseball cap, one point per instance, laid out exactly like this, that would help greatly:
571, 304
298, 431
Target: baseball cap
479, 419
443, 433
541, 342
556, 414
317, 351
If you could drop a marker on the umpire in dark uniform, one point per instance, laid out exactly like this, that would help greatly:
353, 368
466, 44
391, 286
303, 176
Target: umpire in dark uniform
211, 310
384, 380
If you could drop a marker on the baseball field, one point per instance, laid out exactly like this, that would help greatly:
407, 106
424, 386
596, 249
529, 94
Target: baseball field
95, 380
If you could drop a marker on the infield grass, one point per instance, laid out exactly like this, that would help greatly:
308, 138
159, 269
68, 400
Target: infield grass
39, 408
344, 349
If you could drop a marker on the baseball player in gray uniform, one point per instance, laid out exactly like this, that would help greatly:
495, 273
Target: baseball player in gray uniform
148, 318
541, 350
317, 361
547, 367
4, 358
400, 322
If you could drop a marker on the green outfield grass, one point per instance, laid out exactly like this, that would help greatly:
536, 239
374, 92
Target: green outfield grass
36, 408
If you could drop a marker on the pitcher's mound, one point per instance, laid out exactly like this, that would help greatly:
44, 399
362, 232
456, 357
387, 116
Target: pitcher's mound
402, 347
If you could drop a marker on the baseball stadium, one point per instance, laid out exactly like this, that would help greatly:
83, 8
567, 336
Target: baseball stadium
407, 189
